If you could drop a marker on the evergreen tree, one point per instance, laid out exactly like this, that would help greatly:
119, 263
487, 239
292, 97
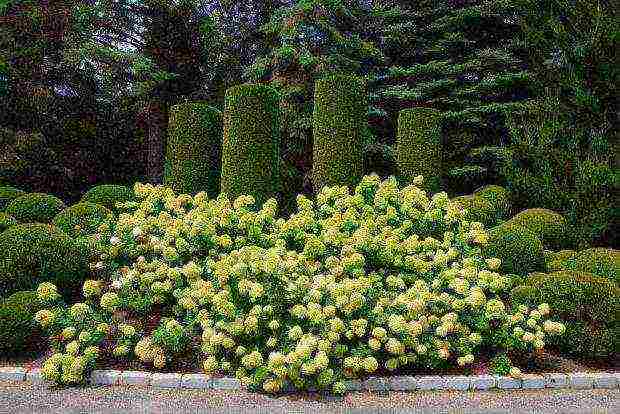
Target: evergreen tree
309, 39
463, 57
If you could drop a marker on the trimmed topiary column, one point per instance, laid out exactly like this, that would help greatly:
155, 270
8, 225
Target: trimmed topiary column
339, 120
193, 152
250, 148
418, 148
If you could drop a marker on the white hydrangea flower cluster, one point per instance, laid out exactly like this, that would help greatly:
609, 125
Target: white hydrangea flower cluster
350, 284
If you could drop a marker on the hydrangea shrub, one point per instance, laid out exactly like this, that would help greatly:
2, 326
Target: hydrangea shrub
380, 278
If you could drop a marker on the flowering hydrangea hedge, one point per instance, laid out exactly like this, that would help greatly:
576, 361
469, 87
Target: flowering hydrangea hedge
384, 277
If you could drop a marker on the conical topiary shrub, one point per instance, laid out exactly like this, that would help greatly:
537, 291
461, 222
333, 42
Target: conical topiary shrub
418, 147
194, 149
339, 121
250, 148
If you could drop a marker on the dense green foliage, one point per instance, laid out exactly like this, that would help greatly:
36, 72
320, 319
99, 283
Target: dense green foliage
6, 221
588, 305
549, 226
18, 329
479, 209
519, 249
194, 149
339, 123
35, 208
32, 253
8, 194
418, 146
108, 195
601, 262
250, 148
81, 219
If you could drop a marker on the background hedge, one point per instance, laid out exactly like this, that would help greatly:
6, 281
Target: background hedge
108, 195
250, 148
88, 216
18, 330
418, 147
339, 124
194, 149
588, 305
33, 253
35, 208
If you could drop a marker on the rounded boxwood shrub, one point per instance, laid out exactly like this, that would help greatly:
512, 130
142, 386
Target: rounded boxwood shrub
562, 260
498, 196
33, 253
250, 147
588, 305
17, 326
418, 148
548, 225
86, 216
339, 125
8, 194
194, 147
599, 261
35, 208
108, 195
478, 209
6, 221
519, 249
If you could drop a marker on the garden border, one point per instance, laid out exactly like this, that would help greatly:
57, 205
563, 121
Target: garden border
576, 380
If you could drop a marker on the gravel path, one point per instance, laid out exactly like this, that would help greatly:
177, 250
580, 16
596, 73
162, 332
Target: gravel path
27, 398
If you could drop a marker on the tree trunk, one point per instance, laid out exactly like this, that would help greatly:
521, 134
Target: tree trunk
157, 125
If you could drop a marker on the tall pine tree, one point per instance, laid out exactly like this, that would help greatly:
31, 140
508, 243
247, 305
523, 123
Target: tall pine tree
463, 57
309, 39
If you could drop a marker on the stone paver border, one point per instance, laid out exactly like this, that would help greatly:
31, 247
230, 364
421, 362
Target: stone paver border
577, 380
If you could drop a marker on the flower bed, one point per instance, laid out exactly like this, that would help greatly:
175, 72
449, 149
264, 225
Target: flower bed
380, 280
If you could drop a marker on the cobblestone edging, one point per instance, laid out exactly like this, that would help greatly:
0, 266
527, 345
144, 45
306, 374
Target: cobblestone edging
579, 380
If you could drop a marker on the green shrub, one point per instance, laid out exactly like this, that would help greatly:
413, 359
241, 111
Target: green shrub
339, 124
87, 216
108, 195
419, 146
6, 221
549, 226
35, 208
562, 260
250, 148
599, 261
194, 148
588, 305
478, 209
33, 253
519, 249
17, 326
8, 194
498, 196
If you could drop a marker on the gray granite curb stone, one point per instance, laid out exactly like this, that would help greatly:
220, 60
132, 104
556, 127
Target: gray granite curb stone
402, 383
556, 380
431, 382
376, 384
136, 378
12, 374
605, 380
579, 380
508, 383
226, 384
105, 377
533, 382
483, 382
34, 376
353, 385
196, 381
458, 383
166, 380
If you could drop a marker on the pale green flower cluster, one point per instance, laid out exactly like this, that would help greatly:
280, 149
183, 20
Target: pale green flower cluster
381, 279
